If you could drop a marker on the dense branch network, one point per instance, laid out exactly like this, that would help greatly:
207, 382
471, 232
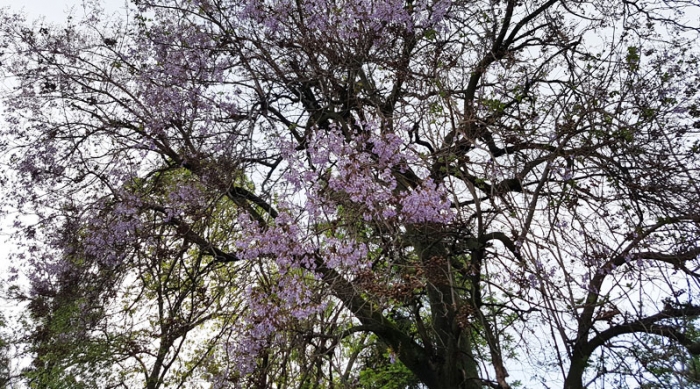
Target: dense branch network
315, 188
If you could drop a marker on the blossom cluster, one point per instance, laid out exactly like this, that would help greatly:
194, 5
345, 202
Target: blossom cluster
346, 19
338, 181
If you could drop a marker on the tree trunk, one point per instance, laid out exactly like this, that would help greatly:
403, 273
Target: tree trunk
574, 380
452, 361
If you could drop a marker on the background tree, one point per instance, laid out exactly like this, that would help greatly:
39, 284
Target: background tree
478, 186
5, 353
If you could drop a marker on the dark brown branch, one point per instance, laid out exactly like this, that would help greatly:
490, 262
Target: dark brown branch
186, 231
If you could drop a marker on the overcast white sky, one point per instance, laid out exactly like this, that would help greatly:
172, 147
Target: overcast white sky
54, 10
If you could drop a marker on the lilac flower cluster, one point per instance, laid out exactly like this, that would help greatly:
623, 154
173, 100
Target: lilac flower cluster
107, 237
335, 175
362, 172
427, 203
345, 20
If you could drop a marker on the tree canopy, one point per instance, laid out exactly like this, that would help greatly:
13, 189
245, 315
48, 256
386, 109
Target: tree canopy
357, 193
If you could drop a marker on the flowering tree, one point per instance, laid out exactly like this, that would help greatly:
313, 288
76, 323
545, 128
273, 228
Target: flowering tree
451, 190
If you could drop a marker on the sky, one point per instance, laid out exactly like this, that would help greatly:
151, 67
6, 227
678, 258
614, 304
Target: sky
54, 10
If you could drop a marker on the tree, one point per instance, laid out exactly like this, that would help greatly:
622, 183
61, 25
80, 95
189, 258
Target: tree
5, 373
93, 318
465, 189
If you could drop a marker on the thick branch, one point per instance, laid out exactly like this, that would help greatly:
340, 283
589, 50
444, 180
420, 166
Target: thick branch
647, 325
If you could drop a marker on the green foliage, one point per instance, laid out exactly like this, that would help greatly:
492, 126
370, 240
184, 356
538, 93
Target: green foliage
632, 58
382, 370
494, 105
68, 355
4, 355
669, 363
